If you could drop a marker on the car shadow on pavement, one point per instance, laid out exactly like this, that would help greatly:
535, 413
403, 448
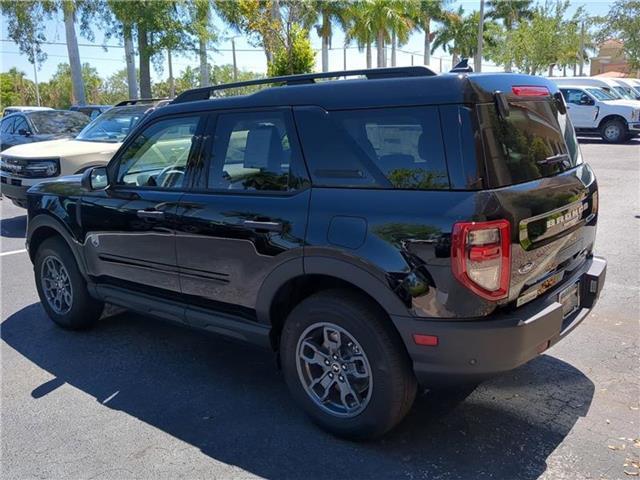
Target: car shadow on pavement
14, 227
229, 401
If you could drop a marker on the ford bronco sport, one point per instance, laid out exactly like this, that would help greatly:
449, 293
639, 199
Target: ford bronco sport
395, 230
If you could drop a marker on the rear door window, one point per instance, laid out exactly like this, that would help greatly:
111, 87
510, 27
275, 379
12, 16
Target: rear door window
533, 141
384, 148
255, 151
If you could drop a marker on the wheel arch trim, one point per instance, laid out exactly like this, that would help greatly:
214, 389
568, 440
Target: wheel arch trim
44, 220
330, 267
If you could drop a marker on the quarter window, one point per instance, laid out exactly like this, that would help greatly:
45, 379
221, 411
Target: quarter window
158, 156
253, 151
394, 148
20, 124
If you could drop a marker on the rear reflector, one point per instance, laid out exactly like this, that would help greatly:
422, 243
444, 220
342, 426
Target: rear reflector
481, 257
530, 91
425, 340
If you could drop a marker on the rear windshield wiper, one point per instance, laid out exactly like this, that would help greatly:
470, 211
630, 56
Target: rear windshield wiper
561, 157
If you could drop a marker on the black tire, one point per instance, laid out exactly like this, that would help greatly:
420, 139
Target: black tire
84, 310
614, 131
394, 385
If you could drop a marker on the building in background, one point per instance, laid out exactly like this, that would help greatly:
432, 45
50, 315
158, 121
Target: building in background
611, 61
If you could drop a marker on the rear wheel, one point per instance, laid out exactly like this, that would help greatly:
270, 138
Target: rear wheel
614, 131
346, 366
62, 288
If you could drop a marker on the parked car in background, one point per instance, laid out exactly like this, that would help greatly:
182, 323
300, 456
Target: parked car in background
25, 165
629, 87
91, 111
593, 111
14, 109
401, 229
38, 126
610, 85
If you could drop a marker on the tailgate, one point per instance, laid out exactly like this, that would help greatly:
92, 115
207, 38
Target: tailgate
539, 183
553, 230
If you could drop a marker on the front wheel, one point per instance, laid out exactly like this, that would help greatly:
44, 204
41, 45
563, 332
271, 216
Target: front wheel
346, 366
62, 288
614, 131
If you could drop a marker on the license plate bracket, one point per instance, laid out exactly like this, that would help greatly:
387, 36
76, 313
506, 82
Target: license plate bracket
569, 298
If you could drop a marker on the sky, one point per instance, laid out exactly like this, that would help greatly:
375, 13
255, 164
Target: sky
248, 57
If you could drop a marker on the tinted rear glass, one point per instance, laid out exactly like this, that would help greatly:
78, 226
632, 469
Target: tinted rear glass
58, 122
389, 148
532, 142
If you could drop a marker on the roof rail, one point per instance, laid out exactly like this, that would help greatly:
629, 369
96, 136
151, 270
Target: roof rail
204, 93
139, 100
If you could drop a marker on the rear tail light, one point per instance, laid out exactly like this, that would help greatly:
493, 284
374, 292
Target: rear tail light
481, 257
530, 91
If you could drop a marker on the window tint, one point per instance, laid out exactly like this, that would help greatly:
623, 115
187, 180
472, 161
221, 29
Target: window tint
399, 147
573, 96
114, 125
534, 141
58, 122
7, 125
253, 151
158, 156
21, 124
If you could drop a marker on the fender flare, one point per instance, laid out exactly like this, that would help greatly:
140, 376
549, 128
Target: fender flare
332, 267
48, 221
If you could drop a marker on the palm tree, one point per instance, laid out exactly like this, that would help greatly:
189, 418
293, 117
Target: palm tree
358, 28
511, 12
201, 16
69, 14
384, 18
402, 23
329, 11
450, 35
428, 10
458, 34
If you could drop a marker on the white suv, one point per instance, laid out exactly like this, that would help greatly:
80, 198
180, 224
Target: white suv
23, 166
594, 112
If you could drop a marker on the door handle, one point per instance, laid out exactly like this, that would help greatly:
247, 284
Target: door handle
152, 214
269, 226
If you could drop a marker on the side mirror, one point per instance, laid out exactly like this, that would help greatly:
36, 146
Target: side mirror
584, 100
24, 133
95, 178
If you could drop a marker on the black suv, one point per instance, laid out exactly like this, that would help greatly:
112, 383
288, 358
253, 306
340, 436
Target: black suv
394, 230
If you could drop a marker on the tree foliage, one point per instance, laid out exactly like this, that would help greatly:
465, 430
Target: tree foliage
623, 23
545, 40
16, 89
296, 56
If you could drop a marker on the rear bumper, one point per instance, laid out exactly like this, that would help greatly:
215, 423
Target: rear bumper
474, 350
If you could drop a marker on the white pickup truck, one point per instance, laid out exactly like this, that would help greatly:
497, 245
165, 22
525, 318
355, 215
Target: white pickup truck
594, 112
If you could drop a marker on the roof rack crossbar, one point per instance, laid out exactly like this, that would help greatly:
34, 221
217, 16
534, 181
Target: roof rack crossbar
204, 93
137, 101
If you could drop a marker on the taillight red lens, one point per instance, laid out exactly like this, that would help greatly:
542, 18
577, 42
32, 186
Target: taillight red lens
530, 91
481, 257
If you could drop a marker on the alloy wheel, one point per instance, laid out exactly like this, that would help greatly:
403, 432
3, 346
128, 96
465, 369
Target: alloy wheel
612, 132
56, 285
334, 370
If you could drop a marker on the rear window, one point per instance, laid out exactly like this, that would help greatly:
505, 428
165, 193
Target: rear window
376, 148
58, 122
532, 142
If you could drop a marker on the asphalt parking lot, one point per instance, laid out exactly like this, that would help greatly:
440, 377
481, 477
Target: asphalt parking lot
138, 398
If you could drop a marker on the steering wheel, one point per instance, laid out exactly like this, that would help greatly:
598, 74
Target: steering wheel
169, 176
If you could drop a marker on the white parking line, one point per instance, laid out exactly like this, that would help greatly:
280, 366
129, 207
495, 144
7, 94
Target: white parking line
13, 252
